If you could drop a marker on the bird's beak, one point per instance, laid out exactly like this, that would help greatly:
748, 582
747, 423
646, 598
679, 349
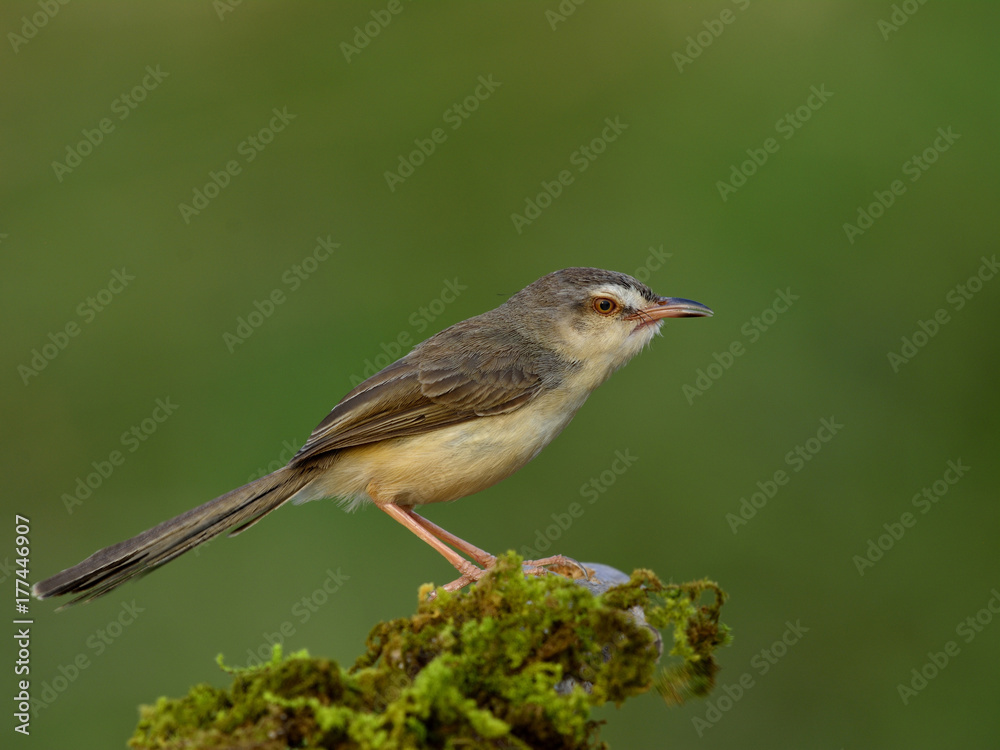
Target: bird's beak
671, 307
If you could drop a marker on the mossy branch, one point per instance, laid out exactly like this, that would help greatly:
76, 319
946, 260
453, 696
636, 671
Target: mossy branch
514, 662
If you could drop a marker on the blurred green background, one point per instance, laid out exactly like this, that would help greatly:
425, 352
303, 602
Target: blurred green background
692, 87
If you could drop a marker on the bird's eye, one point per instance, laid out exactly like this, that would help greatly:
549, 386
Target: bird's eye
605, 305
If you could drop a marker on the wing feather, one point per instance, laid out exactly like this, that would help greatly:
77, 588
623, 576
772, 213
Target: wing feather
443, 381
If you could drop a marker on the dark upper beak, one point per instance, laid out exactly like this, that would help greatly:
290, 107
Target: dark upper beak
672, 307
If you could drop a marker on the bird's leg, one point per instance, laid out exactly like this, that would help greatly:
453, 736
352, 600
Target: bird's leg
482, 557
560, 564
469, 571
440, 539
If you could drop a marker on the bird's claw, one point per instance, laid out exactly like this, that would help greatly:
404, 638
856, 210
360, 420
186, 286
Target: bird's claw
557, 564
560, 565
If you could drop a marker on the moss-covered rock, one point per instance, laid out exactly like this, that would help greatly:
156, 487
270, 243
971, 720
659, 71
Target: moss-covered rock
514, 662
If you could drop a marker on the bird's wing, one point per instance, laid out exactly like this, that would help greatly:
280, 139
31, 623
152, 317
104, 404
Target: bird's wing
438, 384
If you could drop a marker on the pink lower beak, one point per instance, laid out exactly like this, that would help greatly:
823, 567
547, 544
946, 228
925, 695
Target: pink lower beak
673, 307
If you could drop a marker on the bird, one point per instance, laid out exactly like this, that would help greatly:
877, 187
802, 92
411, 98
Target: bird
461, 411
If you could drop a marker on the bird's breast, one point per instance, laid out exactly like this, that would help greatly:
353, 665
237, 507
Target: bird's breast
449, 462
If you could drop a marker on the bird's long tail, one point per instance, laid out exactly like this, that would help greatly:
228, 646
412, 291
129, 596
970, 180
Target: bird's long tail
235, 511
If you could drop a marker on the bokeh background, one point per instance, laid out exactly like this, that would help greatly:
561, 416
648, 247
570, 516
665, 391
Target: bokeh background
691, 87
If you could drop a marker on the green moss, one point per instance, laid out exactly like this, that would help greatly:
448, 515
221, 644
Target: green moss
476, 668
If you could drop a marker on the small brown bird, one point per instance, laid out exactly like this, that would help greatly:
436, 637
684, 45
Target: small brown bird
464, 409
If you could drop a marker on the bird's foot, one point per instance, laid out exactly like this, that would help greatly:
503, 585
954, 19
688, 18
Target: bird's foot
560, 565
557, 564
470, 573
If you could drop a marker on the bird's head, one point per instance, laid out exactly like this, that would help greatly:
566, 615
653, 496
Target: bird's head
597, 317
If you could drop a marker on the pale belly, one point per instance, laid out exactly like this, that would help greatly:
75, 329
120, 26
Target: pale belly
447, 463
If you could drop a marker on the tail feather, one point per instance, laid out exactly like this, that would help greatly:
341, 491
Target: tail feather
112, 566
